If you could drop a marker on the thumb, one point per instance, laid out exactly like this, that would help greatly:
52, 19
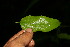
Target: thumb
25, 38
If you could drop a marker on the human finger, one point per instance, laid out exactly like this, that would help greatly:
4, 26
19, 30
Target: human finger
31, 43
25, 38
16, 35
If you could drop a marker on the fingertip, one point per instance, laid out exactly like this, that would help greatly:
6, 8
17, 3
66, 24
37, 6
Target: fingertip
29, 30
32, 43
23, 30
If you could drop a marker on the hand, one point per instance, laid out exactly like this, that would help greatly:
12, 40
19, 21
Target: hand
21, 39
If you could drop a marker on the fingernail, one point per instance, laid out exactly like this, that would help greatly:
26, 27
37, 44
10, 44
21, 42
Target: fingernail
23, 30
29, 30
31, 41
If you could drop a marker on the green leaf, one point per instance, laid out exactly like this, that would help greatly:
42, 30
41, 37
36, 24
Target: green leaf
39, 23
63, 36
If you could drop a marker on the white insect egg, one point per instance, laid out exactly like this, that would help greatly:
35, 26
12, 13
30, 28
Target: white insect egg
49, 24
32, 26
46, 22
22, 26
46, 27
